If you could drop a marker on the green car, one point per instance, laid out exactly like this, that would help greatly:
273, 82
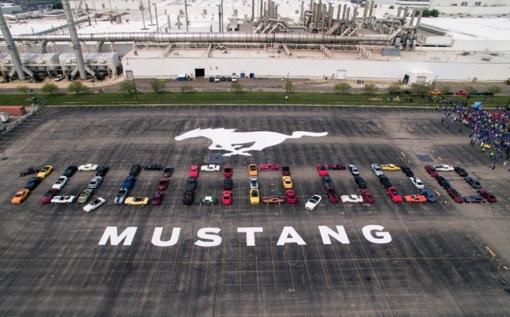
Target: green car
208, 200
85, 195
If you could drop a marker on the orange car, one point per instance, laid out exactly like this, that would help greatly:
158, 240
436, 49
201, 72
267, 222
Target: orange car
252, 170
415, 199
20, 196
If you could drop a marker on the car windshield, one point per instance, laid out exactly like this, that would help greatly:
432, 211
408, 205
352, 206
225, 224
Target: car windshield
254, 194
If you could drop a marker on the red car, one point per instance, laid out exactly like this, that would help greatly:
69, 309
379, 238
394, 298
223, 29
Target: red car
431, 170
193, 171
461, 93
228, 172
455, 195
269, 167
226, 198
336, 166
291, 197
163, 184
487, 196
46, 198
157, 197
323, 171
394, 195
285, 171
333, 196
367, 196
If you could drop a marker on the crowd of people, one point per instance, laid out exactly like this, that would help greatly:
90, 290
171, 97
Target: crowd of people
488, 129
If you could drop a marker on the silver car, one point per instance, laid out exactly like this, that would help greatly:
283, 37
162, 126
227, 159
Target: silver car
254, 182
376, 168
95, 182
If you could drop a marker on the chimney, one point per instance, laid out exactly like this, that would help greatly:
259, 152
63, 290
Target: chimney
11, 47
74, 38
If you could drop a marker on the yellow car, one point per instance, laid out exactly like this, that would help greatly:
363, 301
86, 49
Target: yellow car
20, 196
136, 201
287, 182
390, 167
435, 92
254, 197
252, 170
45, 171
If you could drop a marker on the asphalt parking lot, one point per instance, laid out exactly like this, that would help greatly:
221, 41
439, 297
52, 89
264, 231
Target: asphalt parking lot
445, 259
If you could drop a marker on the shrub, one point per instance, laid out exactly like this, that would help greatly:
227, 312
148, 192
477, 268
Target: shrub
395, 89
420, 89
157, 85
128, 86
236, 87
49, 88
342, 88
77, 87
23, 89
494, 90
446, 90
186, 88
369, 89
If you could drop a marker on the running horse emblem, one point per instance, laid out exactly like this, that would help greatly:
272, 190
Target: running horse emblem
241, 143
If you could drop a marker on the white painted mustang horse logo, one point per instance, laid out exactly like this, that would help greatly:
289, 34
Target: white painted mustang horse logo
234, 142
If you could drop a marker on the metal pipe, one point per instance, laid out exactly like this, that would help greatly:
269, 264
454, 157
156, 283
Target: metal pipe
11, 47
74, 39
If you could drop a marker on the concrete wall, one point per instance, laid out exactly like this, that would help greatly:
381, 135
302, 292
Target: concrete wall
310, 68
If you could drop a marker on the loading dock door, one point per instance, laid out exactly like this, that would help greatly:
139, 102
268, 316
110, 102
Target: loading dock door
199, 72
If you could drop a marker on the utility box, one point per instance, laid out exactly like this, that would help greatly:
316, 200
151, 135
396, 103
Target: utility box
4, 117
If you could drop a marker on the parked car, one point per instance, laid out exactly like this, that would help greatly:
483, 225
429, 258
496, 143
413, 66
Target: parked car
332, 196
360, 181
443, 168
228, 184
153, 167
431, 198
254, 182
93, 205
415, 198
102, 170
313, 202
157, 197
385, 181
487, 196
60, 183
95, 182
210, 168
45, 171
128, 183
226, 198
407, 171
390, 167
461, 171
417, 182
394, 195
327, 182
252, 170
208, 200
168, 171
135, 170
136, 201
473, 199
269, 167
70, 170
163, 184
353, 169
431, 170
33, 183
461, 93
285, 171
85, 195
322, 170
455, 195
273, 200
87, 167
228, 172
191, 184
46, 198
353, 199
367, 196
28, 171
20, 196
287, 182
376, 168
189, 197
121, 196
336, 166
473, 181
254, 196
291, 197
63, 199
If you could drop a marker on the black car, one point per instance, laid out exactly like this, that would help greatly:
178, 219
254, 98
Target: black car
102, 170
407, 171
191, 184
477, 199
461, 171
188, 198
285, 171
228, 184
360, 181
441, 180
327, 182
28, 171
32, 183
135, 170
153, 167
70, 170
385, 181
168, 171
473, 182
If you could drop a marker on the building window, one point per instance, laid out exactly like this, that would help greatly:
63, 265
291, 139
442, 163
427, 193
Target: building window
464, 4
478, 4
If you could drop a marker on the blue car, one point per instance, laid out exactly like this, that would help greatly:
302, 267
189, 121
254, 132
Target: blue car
431, 198
32, 183
128, 183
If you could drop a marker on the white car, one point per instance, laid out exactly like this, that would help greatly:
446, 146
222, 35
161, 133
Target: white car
210, 168
95, 182
313, 202
60, 183
87, 167
63, 199
234, 78
376, 168
354, 169
93, 205
417, 182
355, 199
443, 168
254, 182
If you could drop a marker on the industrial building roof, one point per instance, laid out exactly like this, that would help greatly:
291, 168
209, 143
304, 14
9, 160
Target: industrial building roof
473, 28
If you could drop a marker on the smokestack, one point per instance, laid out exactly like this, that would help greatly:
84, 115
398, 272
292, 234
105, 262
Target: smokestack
252, 10
418, 21
261, 9
344, 12
186, 14
412, 18
74, 39
354, 14
11, 47
365, 10
371, 12
348, 13
399, 11
339, 10
301, 14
